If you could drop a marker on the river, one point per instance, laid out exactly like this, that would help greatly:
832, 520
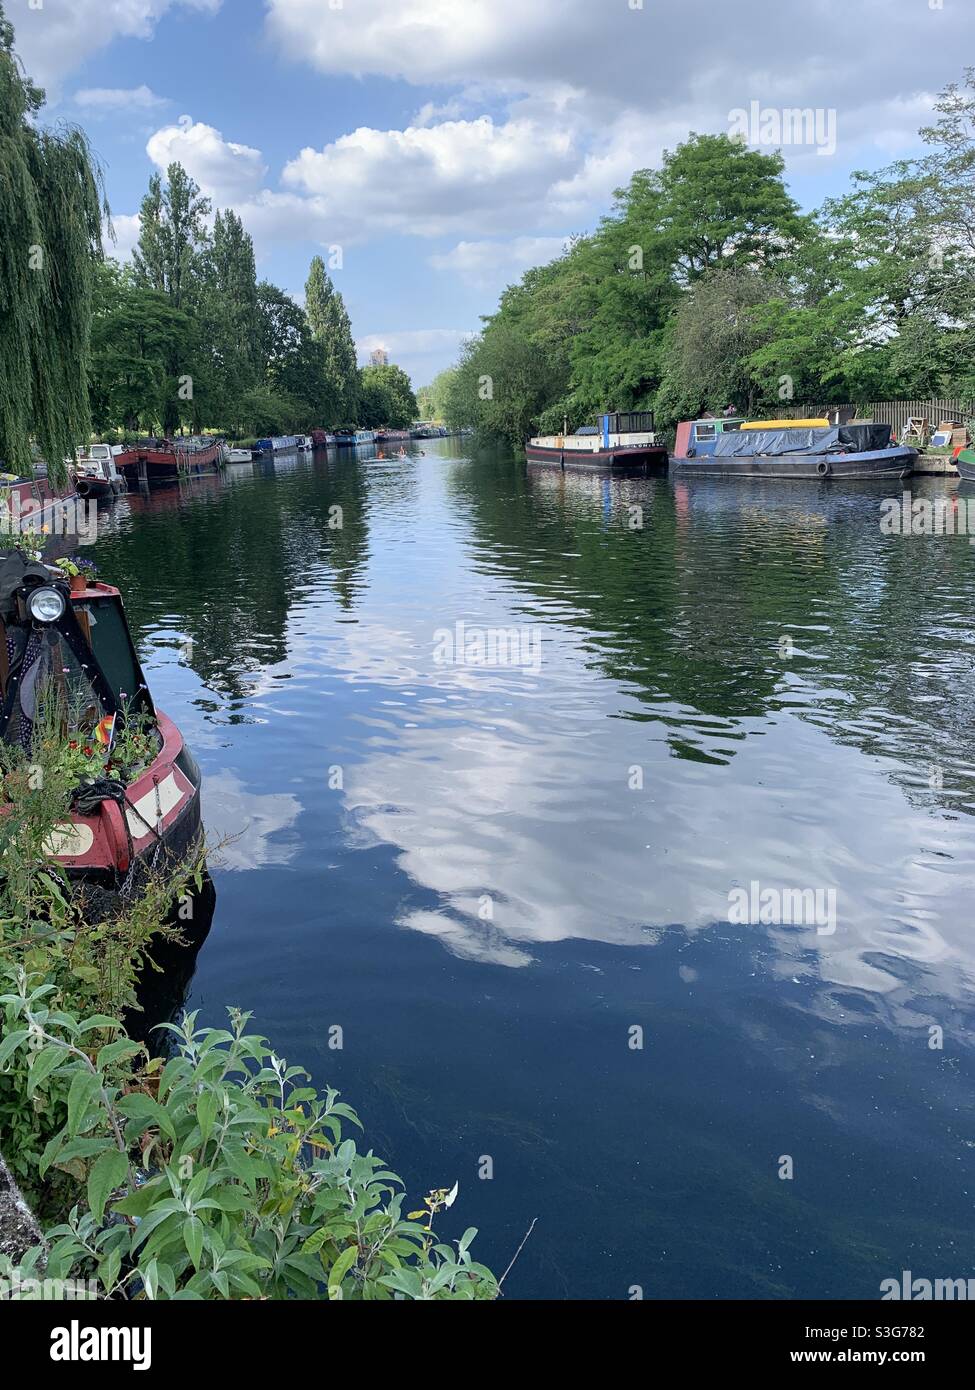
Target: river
509, 885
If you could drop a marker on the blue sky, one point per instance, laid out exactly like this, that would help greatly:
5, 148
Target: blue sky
445, 145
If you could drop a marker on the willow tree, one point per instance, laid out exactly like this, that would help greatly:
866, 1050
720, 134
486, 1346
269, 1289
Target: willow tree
50, 239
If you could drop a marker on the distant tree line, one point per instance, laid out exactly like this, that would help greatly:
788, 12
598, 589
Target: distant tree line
186, 336
707, 287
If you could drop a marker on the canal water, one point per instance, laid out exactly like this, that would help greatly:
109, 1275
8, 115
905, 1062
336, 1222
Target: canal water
516, 888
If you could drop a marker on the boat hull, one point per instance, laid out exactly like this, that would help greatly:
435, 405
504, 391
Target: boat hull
879, 463
168, 465
650, 459
965, 463
162, 818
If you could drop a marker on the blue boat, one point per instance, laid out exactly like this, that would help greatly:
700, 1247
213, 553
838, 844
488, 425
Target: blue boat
350, 438
735, 448
276, 444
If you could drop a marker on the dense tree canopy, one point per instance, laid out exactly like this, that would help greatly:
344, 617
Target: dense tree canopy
706, 287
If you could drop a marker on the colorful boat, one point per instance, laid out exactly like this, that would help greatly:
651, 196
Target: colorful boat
322, 439
622, 442
391, 436
156, 460
65, 651
735, 448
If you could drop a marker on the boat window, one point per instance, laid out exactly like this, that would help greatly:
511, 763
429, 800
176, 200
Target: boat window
704, 432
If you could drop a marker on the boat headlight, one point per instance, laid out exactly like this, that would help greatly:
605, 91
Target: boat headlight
46, 605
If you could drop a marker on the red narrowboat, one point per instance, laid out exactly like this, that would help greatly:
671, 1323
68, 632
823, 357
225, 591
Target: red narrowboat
166, 460
72, 688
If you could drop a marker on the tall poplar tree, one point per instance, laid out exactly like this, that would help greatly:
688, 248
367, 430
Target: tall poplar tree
330, 326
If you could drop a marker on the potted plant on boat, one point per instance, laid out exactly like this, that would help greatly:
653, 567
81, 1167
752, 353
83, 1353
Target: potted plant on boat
80, 572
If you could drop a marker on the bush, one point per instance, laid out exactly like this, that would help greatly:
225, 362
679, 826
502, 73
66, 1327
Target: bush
219, 1174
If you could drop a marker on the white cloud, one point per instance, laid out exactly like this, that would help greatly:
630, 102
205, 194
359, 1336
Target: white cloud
485, 263
426, 180
414, 343
685, 64
126, 227
56, 37
113, 100
224, 170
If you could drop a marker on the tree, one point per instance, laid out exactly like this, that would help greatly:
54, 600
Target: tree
232, 317
135, 335
330, 326
386, 397
173, 237
50, 243
432, 400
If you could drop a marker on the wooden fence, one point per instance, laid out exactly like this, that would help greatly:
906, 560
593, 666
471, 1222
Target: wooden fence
893, 413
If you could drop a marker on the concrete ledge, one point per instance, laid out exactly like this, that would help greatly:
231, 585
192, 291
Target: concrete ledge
18, 1227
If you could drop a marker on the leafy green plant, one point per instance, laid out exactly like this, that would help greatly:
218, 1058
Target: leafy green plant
220, 1174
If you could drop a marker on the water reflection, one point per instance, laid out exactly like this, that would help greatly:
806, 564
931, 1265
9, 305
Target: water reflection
486, 896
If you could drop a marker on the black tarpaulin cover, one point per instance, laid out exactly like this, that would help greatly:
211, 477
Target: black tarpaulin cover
857, 439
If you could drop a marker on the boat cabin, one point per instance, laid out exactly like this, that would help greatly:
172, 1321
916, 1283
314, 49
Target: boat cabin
699, 436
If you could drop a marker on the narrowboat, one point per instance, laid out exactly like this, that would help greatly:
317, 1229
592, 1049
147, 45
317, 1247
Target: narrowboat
303, 443
391, 436
351, 438
965, 463
621, 442
96, 473
736, 448
276, 444
34, 503
321, 439
156, 460
72, 689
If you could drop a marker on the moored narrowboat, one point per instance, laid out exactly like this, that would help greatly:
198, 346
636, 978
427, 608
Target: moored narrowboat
72, 690
277, 444
736, 448
352, 438
621, 442
156, 460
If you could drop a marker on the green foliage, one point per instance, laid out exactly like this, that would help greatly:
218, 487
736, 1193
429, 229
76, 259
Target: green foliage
706, 286
331, 329
386, 397
431, 401
50, 243
233, 1176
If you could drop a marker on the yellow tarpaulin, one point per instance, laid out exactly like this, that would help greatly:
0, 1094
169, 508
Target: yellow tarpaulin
785, 425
